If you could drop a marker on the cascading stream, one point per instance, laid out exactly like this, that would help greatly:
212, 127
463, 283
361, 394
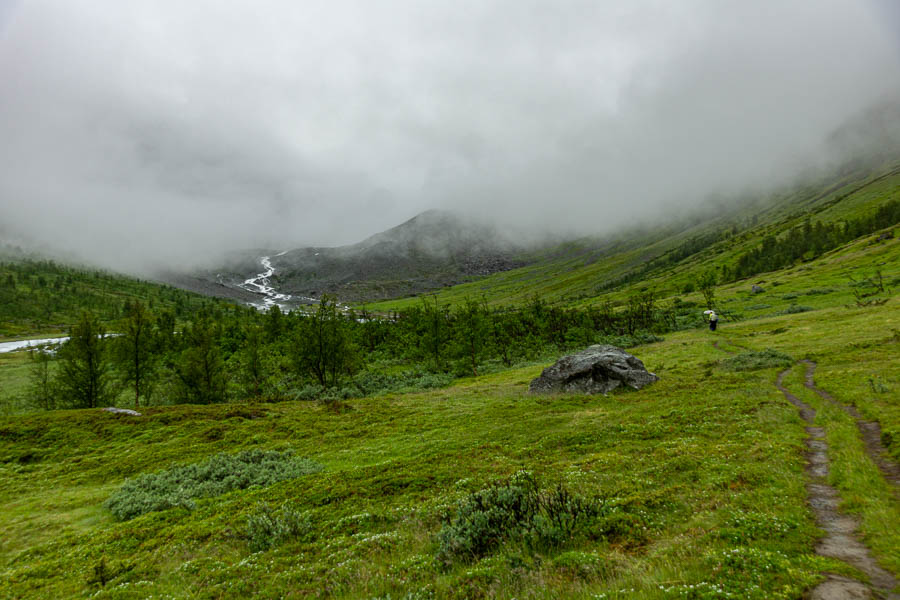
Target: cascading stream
262, 285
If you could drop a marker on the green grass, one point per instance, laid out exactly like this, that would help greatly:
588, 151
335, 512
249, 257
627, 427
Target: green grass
705, 468
707, 462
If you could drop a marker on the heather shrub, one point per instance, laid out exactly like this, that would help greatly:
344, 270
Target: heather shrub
518, 511
749, 361
796, 308
222, 473
267, 528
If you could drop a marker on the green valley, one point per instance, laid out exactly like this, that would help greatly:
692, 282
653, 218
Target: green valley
428, 470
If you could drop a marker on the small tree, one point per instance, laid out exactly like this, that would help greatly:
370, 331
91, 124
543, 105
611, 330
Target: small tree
708, 288
200, 368
134, 350
84, 373
472, 333
324, 348
436, 333
252, 365
41, 390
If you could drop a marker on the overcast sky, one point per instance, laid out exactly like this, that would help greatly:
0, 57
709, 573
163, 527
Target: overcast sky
163, 131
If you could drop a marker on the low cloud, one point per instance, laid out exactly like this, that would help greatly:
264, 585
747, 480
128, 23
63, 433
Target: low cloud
141, 134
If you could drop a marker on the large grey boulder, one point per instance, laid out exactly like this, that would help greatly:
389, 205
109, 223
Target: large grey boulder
595, 370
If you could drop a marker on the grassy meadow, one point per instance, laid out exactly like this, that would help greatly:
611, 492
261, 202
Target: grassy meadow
700, 474
693, 487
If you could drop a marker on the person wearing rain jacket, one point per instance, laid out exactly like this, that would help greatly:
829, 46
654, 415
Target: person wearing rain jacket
713, 319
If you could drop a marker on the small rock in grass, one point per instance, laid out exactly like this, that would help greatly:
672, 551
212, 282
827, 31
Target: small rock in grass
121, 411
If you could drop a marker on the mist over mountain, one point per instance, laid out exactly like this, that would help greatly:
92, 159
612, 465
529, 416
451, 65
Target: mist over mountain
164, 135
433, 249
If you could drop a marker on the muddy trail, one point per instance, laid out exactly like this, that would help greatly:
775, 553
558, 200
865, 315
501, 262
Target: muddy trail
841, 540
870, 431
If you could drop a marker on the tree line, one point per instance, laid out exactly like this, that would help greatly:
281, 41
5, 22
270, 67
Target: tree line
808, 241
236, 353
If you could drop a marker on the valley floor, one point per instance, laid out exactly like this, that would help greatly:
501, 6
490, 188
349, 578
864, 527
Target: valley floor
707, 466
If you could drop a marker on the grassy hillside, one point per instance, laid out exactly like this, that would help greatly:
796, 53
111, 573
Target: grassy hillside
693, 487
673, 257
41, 296
701, 477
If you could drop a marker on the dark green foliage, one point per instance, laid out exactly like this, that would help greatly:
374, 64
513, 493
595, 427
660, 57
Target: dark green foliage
323, 344
515, 510
252, 364
434, 331
471, 335
374, 382
200, 369
748, 361
808, 241
796, 308
84, 373
220, 474
267, 528
42, 392
708, 288
36, 295
134, 350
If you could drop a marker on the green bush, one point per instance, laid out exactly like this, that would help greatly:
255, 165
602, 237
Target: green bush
759, 307
266, 528
374, 382
629, 341
796, 308
220, 474
749, 361
514, 510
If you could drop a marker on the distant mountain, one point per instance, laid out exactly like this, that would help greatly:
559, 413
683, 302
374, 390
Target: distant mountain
432, 250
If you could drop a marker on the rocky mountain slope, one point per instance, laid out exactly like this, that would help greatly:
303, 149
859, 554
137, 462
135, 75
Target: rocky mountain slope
432, 250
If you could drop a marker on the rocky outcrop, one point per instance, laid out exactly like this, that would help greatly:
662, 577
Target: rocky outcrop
595, 370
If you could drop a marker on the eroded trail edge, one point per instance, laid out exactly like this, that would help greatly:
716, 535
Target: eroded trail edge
869, 430
840, 541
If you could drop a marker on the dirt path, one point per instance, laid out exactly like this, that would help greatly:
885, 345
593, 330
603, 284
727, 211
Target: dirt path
840, 541
869, 430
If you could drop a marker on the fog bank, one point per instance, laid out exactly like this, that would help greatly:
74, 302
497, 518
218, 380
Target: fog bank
141, 134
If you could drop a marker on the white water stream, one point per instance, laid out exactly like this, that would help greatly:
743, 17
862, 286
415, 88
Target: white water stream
261, 285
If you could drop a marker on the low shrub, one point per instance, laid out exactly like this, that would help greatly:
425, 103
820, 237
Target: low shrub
639, 338
749, 361
796, 308
518, 511
375, 382
222, 473
759, 307
266, 528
